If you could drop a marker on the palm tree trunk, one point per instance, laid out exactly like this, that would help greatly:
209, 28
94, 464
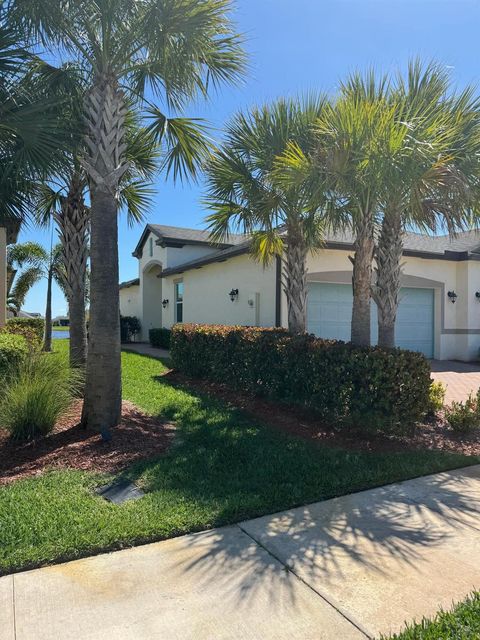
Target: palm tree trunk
105, 165
362, 282
47, 339
386, 290
73, 228
295, 278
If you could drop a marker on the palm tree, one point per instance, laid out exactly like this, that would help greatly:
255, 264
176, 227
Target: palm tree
345, 168
63, 196
25, 263
431, 160
176, 48
53, 270
30, 137
245, 192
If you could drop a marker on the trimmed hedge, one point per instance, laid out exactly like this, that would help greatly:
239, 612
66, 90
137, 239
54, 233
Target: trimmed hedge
160, 338
369, 388
13, 352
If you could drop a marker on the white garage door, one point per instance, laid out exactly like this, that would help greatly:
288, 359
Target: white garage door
329, 311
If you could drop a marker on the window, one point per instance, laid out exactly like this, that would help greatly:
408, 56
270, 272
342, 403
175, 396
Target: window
179, 301
150, 244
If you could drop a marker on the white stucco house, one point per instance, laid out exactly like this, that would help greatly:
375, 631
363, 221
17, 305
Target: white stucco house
183, 277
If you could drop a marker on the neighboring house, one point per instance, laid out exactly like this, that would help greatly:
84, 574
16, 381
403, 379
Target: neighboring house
130, 298
8, 235
183, 277
61, 321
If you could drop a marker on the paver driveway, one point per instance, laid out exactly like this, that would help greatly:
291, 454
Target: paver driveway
348, 568
460, 378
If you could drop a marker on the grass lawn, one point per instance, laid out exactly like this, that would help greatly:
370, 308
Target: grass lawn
461, 623
222, 468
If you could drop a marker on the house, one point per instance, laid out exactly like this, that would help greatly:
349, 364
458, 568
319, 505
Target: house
8, 235
183, 277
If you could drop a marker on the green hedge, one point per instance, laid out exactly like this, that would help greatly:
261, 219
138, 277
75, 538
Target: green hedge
160, 338
36, 325
369, 388
13, 352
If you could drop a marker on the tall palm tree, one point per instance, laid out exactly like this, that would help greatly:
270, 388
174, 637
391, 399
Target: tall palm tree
431, 170
176, 49
63, 196
245, 193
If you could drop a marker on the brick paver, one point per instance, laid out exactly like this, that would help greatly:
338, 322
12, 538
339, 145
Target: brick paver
460, 378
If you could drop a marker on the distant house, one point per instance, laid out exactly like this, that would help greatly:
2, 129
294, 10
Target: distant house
183, 277
61, 321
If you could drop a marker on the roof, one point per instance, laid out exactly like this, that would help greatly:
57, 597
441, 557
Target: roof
179, 236
462, 246
129, 283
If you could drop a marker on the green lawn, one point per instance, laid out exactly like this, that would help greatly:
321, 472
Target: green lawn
461, 623
223, 468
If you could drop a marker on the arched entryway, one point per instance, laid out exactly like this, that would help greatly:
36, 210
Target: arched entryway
151, 297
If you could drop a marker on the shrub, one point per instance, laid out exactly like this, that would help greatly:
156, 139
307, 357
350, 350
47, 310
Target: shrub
37, 325
160, 338
28, 333
464, 416
129, 328
13, 351
370, 387
34, 398
436, 398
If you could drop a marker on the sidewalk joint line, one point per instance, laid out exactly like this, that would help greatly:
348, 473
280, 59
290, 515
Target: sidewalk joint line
317, 592
14, 609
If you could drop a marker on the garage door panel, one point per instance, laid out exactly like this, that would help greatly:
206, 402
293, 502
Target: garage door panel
329, 309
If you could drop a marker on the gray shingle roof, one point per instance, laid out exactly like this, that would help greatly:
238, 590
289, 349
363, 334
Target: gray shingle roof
191, 235
414, 244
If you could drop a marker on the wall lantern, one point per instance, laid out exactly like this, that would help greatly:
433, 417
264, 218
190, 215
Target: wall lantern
477, 295
233, 294
453, 296
164, 303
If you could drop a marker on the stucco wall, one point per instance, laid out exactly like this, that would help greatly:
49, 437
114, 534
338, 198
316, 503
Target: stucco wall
206, 290
130, 301
206, 300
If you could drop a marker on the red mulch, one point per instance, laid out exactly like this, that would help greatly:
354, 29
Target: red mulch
70, 446
434, 435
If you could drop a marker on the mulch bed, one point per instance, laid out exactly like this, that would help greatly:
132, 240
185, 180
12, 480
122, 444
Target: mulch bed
434, 435
138, 436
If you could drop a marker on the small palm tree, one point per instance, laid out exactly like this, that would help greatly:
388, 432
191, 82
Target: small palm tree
245, 192
176, 48
25, 263
431, 167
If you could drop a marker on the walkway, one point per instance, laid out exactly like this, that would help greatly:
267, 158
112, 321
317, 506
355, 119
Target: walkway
145, 349
460, 378
348, 568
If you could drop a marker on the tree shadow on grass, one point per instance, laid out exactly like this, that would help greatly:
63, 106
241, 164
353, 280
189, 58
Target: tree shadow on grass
240, 470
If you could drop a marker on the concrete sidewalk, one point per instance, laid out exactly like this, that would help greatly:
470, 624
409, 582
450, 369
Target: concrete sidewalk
145, 349
347, 568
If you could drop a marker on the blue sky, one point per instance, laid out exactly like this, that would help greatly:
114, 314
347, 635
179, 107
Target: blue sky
299, 45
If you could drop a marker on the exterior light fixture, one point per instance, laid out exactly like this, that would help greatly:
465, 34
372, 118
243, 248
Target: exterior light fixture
233, 294
477, 295
164, 303
453, 296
